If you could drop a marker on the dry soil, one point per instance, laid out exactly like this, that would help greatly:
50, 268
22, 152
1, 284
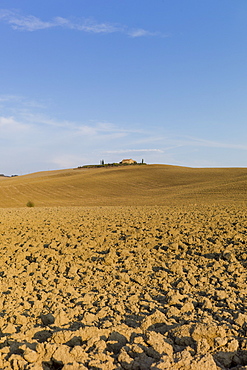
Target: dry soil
138, 287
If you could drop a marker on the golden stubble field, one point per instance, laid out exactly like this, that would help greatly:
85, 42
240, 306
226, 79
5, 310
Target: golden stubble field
129, 185
149, 275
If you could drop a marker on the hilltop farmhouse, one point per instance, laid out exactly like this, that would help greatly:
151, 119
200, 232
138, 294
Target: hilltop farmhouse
103, 164
128, 161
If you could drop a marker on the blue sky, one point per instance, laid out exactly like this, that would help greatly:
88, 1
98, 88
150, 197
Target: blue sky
85, 80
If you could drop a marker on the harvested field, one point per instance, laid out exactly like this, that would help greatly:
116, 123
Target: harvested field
127, 287
129, 185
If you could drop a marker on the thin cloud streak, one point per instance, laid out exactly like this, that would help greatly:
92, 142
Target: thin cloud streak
31, 23
20, 22
64, 143
133, 150
66, 161
212, 144
9, 123
9, 98
89, 25
142, 33
95, 128
27, 120
18, 104
24, 118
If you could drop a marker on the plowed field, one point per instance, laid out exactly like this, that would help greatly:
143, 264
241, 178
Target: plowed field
132, 268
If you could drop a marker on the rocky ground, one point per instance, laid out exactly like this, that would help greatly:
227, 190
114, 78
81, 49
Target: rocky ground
123, 288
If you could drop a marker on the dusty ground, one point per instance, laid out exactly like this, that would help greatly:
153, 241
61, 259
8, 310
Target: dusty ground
123, 288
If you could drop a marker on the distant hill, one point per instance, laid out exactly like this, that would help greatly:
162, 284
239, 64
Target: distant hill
2, 175
126, 185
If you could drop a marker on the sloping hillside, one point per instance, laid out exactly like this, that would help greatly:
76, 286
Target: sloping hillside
133, 185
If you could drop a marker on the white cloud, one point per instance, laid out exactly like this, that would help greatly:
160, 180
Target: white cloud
31, 23
91, 26
20, 22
